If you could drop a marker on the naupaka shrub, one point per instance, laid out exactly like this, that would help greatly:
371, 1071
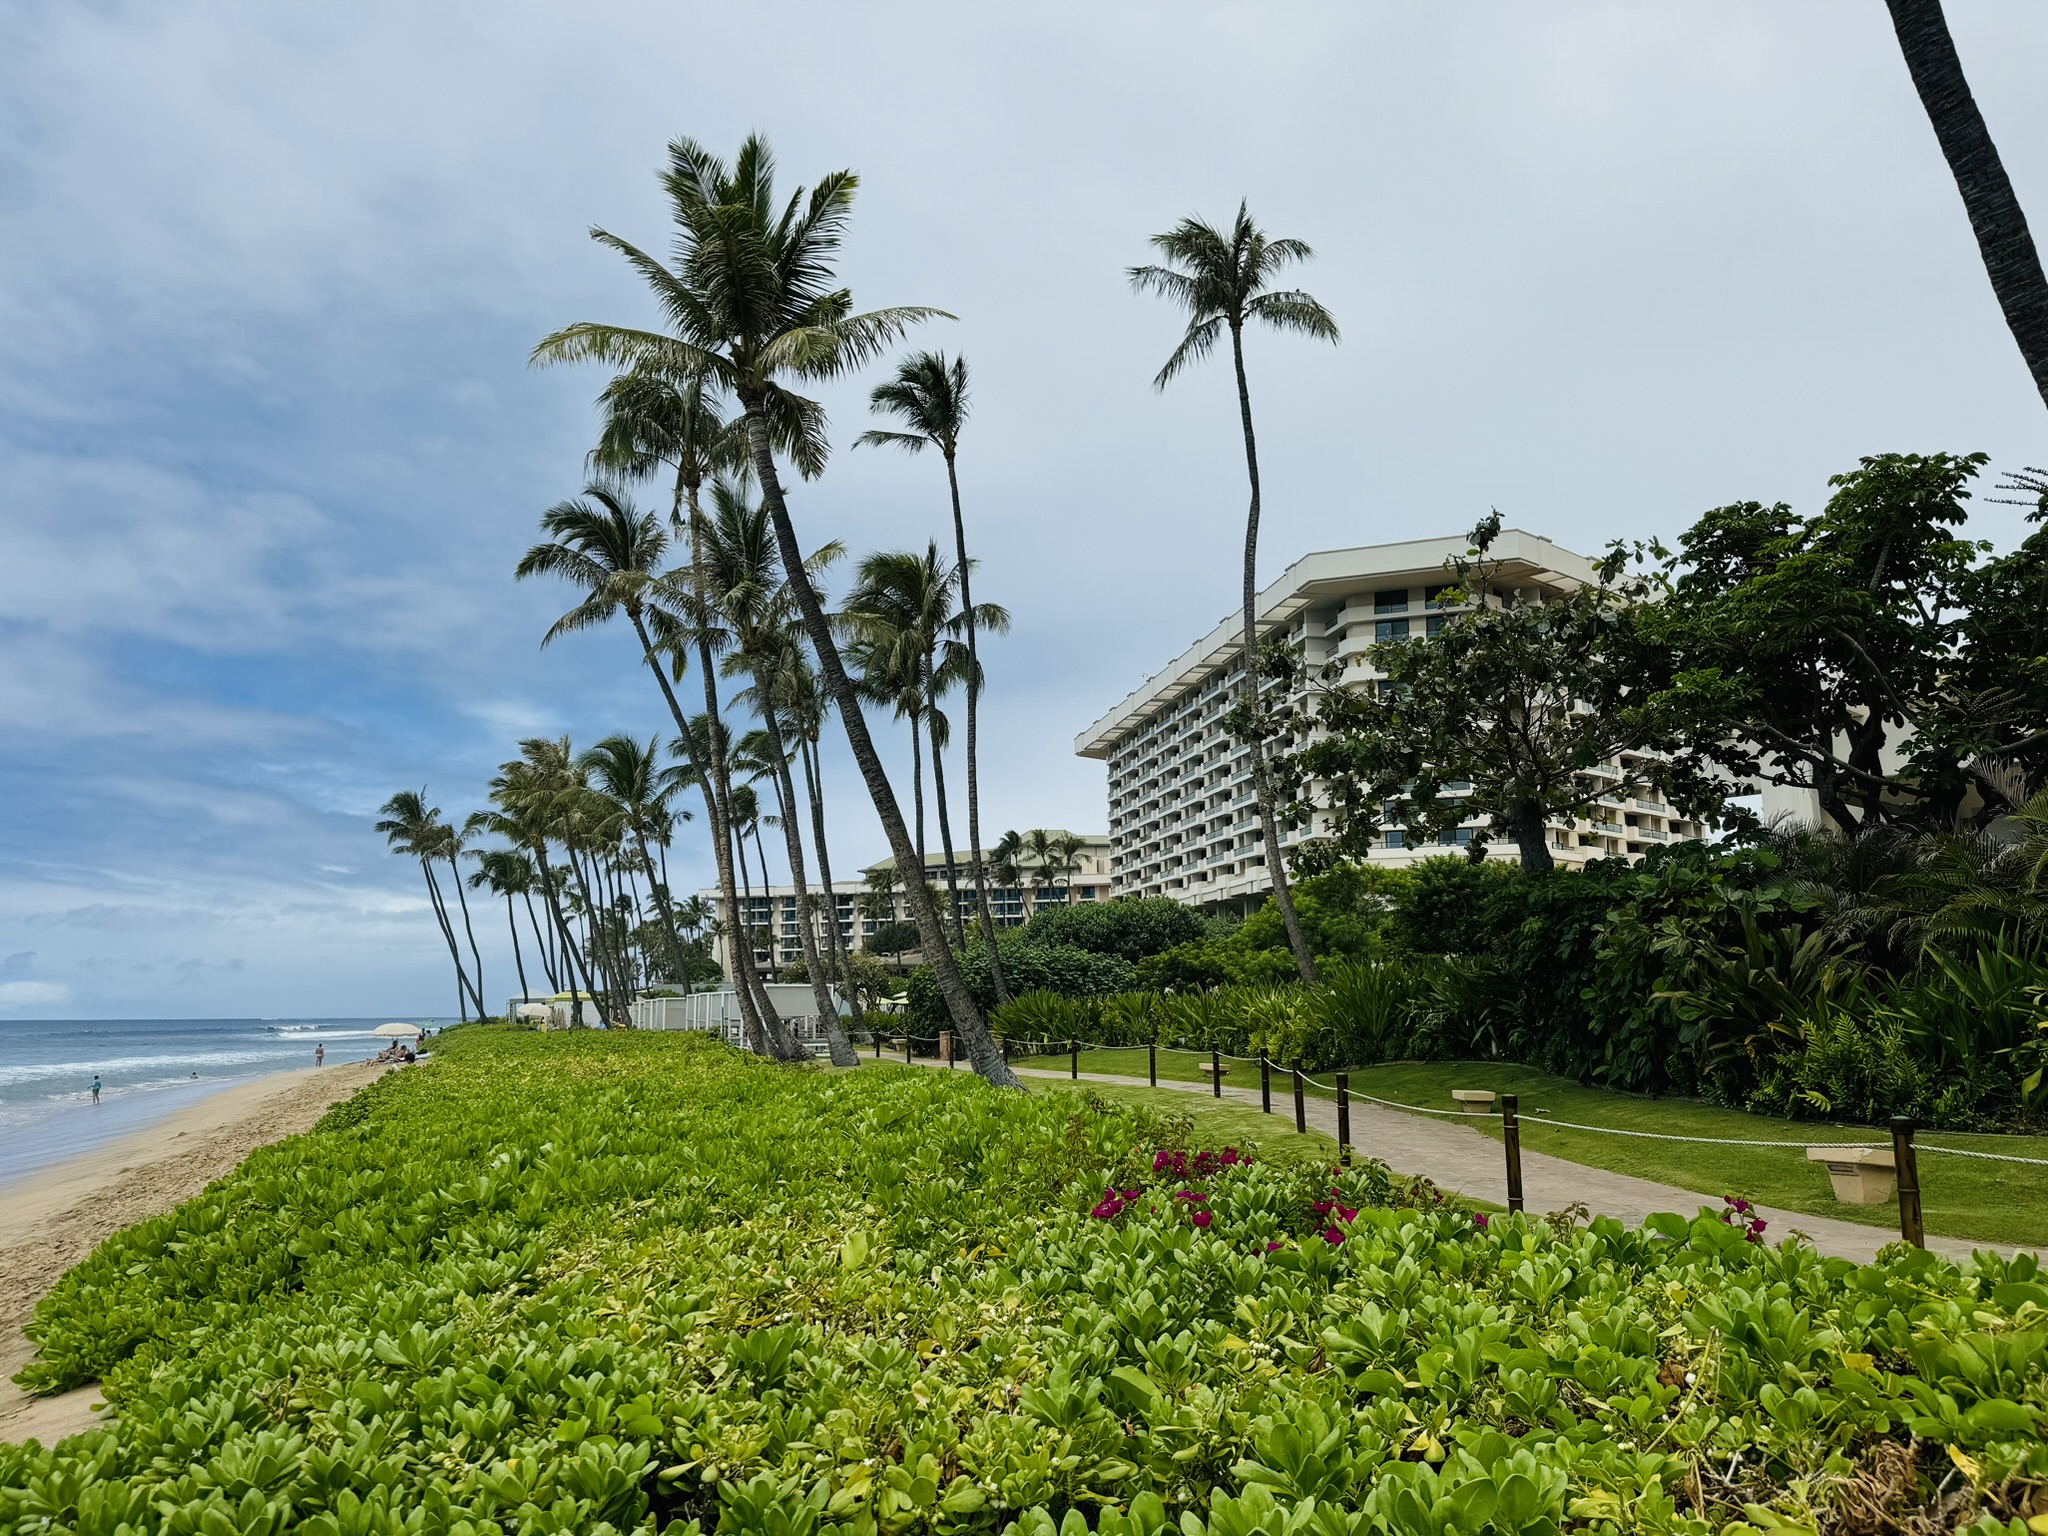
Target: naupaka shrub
597, 1282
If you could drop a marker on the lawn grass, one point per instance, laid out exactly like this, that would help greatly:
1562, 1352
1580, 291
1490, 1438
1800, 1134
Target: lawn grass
1960, 1197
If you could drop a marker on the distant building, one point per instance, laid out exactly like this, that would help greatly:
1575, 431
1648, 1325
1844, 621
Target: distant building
863, 908
1183, 821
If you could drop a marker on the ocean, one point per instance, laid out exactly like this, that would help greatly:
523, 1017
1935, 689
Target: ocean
147, 1068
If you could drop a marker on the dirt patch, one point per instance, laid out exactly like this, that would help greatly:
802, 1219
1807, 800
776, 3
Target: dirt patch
59, 1215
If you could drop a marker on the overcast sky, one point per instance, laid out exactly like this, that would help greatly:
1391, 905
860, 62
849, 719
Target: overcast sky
269, 447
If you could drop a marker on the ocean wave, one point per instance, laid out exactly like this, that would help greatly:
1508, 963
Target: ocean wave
44, 1071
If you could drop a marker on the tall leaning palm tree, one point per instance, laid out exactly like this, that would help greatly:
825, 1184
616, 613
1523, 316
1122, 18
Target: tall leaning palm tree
2010, 258
506, 872
1223, 281
415, 829
629, 771
603, 544
929, 397
751, 299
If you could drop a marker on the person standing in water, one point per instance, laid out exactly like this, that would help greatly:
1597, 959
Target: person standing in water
95, 1087
319, 1055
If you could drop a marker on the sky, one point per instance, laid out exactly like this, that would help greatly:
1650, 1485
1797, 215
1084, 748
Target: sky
270, 447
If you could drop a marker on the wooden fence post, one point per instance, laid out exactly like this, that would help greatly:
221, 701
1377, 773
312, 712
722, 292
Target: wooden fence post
1300, 1105
1265, 1083
1074, 1052
1152, 1062
1216, 1071
1511, 1134
1344, 1118
906, 1045
1909, 1181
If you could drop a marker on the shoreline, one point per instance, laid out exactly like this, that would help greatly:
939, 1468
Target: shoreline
53, 1217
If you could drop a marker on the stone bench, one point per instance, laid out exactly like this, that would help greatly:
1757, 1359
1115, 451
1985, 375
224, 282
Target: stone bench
1861, 1175
1474, 1101
1220, 1068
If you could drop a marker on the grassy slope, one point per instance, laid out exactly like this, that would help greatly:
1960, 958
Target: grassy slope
1960, 1197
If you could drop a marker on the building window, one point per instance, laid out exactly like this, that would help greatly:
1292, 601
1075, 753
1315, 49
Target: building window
1438, 597
1393, 600
1396, 838
1434, 624
1456, 837
1390, 629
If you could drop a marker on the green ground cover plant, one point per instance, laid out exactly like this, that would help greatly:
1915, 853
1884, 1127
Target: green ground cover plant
1960, 1197
601, 1282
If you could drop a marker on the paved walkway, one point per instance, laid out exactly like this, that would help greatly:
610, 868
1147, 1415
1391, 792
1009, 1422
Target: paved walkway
1457, 1157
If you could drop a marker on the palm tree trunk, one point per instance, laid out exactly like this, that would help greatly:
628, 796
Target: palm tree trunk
660, 893
518, 961
1269, 824
567, 940
593, 947
945, 830
2010, 259
759, 1038
543, 942
836, 1043
917, 784
960, 1004
477, 986
448, 933
983, 909
814, 788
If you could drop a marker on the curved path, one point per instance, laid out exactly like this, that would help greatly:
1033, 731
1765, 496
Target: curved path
1457, 1157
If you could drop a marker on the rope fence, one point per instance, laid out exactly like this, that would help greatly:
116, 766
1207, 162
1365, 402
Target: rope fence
1902, 1142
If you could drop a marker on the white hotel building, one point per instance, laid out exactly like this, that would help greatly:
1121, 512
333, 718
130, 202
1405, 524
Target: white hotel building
1182, 817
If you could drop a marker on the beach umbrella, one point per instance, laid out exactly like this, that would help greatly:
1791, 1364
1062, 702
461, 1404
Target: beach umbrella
396, 1031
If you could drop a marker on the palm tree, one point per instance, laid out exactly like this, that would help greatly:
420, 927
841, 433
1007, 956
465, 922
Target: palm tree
630, 773
1041, 847
1064, 848
602, 544
902, 617
1222, 282
415, 829
452, 845
752, 302
741, 577
2000, 224
508, 873
929, 395
807, 708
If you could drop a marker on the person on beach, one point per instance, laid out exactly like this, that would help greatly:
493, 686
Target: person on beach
95, 1087
319, 1055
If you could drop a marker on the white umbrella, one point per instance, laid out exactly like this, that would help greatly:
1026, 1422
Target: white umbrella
535, 1011
397, 1031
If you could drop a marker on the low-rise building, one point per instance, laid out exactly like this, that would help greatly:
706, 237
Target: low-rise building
864, 907
1183, 821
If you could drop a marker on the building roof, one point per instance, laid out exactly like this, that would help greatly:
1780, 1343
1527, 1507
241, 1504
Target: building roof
1319, 577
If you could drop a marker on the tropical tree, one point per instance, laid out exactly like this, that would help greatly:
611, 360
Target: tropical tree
741, 577
506, 872
630, 773
1996, 218
929, 396
415, 829
601, 543
752, 302
903, 623
1223, 282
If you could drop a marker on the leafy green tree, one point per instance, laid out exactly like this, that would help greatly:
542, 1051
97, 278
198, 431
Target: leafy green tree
1515, 711
1132, 927
1838, 653
1222, 281
752, 301
929, 395
1996, 218
893, 938
629, 771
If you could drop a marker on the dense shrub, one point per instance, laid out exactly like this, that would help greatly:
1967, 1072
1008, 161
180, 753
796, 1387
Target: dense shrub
1027, 967
1131, 928
605, 1283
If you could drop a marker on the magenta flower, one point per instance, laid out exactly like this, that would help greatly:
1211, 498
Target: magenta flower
1479, 1220
1231, 1157
1160, 1160
1271, 1247
1188, 1194
1332, 1235
1203, 1218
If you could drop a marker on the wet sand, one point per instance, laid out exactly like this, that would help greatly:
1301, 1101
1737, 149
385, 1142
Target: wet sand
54, 1217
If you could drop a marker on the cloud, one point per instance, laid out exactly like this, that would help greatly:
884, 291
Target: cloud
23, 994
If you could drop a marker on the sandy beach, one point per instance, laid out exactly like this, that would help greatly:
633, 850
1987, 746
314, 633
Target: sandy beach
55, 1217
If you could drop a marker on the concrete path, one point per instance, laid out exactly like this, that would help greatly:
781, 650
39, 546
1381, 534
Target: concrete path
1457, 1157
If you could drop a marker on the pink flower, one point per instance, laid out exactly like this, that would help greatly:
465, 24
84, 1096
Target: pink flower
1271, 1247
1230, 1157
1203, 1218
1160, 1160
1479, 1220
1332, 1235
1188, 1194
